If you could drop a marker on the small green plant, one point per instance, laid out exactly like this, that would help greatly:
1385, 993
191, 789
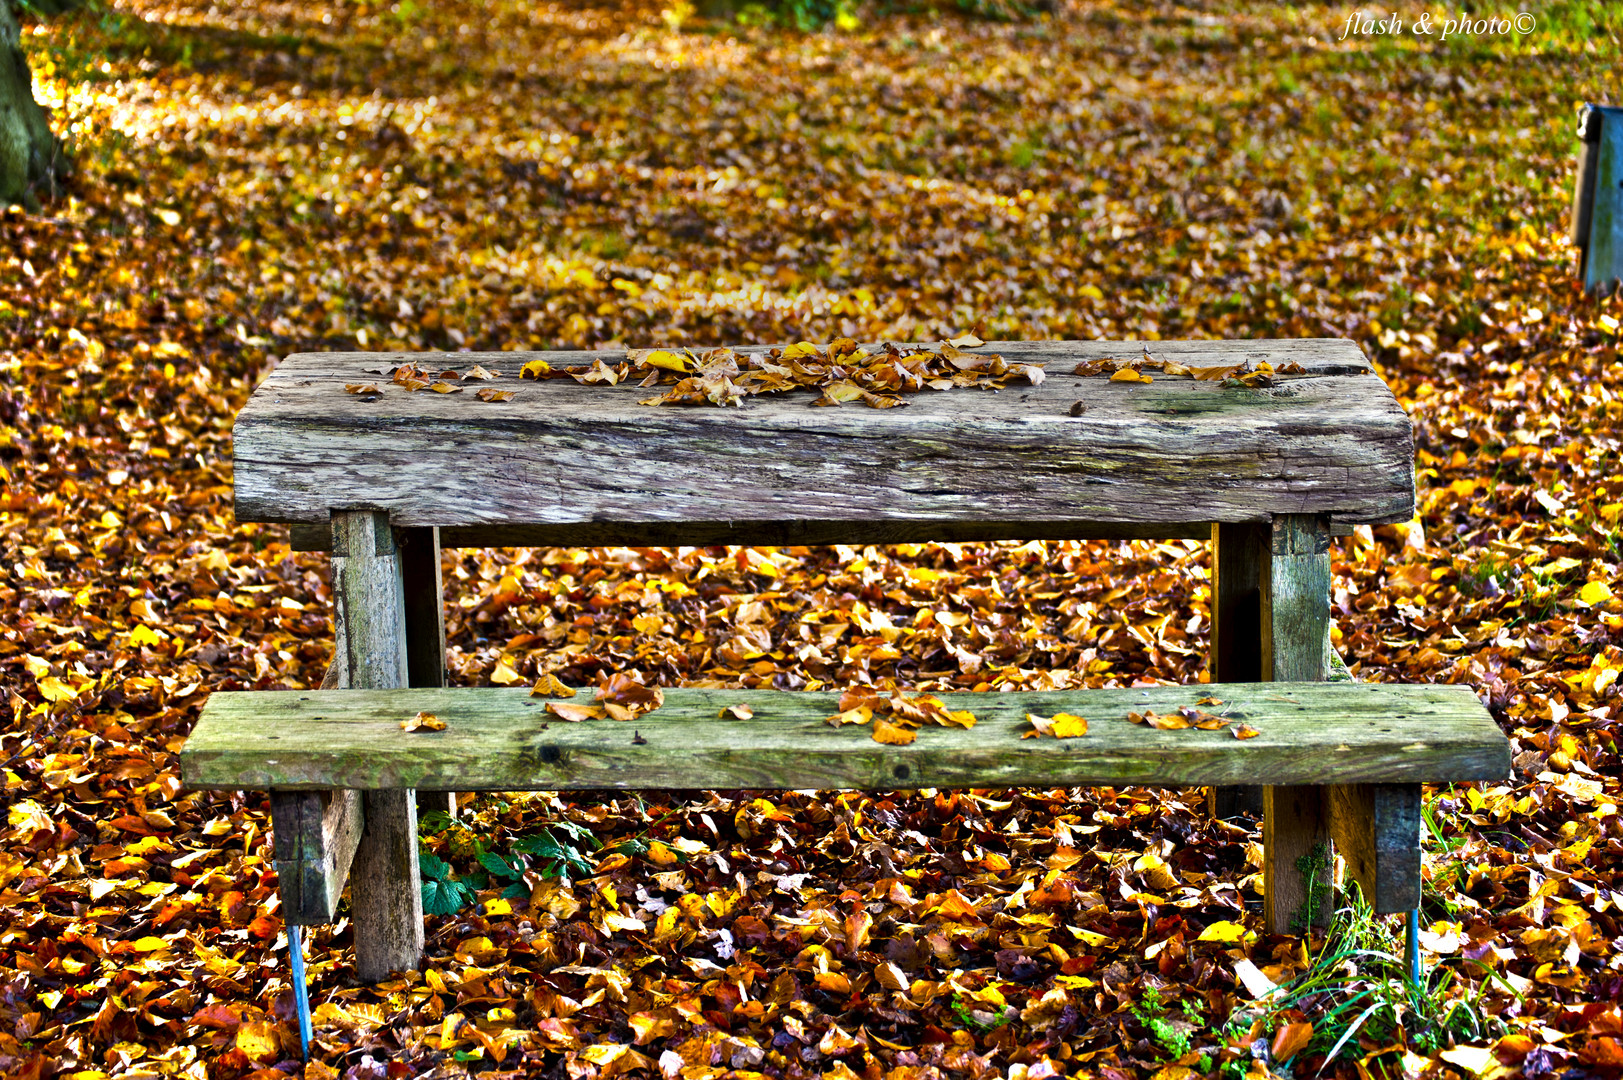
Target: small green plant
1173, 1041
1315, 870
971, 1018
445, 892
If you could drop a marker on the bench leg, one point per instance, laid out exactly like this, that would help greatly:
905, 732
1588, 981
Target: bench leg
314, 835
386, 890
1295, 612
1377, 831
1239, 559
425, 628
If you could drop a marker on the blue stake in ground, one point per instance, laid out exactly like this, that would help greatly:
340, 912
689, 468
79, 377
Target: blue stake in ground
301, 992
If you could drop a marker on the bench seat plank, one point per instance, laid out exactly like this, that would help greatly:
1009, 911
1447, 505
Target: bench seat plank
503, 739
1168, 453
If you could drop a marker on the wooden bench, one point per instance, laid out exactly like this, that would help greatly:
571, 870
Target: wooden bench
1268, 474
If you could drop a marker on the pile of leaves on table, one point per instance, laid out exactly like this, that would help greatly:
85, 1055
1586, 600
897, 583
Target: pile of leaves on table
519, 176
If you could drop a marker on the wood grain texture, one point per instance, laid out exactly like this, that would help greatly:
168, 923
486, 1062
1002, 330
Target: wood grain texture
779, 533
386, 888
314, 836
1295, 605
1294, 825
1174, 451
370, 601
503, 739
1295, 612
385, 893
1376, 828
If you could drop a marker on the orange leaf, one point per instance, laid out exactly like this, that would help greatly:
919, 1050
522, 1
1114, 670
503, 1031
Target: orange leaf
892, 735
1246, 731
1289, 1040
574, 713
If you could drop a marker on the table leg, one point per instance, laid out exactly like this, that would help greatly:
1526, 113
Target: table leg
1295, 614
425, 628
385, 892
1239, 562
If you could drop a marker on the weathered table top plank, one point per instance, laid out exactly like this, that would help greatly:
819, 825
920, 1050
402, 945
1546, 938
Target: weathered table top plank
504, 739
1157, 457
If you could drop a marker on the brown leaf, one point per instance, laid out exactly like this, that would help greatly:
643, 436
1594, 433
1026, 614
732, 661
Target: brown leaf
423, 721
490, 393
440, 386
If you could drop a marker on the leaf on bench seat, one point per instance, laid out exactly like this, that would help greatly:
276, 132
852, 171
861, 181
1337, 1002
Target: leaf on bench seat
574, 713
892, 734
1060, 726
551, 686
423, 721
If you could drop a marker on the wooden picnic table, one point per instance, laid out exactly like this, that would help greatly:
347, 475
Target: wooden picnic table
1267, 473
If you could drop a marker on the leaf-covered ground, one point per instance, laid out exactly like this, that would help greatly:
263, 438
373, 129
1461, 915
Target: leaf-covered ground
260, 180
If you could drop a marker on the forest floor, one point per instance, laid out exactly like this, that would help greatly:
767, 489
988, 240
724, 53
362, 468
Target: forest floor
360, 175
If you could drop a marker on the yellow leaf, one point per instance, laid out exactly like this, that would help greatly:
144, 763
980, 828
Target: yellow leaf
892, 735
36, 667
737, 712
1067, 726
498, 906
145, 635
1475, 1060
1223, 932
440, 386
1595, 592
258, 1041
535, 369
968, 341
1245, 731
504, 675
861, 714
799, 350
1127, 374
54, 689
663, 358
551, 686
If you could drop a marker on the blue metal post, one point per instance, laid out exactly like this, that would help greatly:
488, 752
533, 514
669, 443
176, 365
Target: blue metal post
301, 992
1411, 948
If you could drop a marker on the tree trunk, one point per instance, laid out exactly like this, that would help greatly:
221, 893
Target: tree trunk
31, 159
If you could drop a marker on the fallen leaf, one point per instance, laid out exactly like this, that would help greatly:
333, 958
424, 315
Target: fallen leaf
574, 713
892, 734
423, 721
551, 686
